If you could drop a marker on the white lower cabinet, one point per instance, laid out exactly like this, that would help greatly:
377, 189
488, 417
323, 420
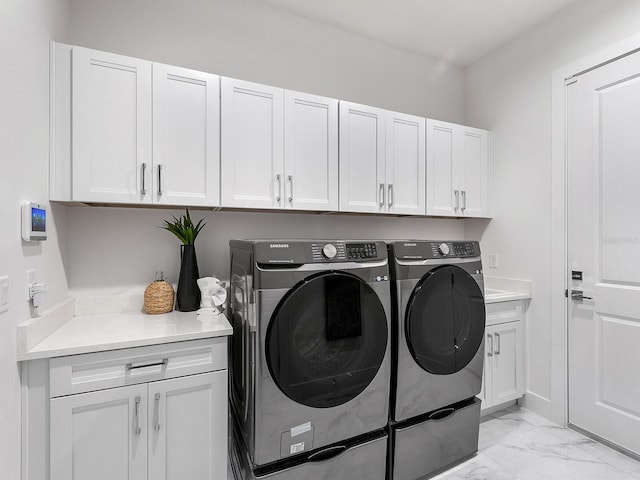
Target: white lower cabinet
503, 374
146, 413
169, 429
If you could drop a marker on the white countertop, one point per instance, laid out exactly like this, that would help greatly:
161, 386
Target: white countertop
53, 335
500, 289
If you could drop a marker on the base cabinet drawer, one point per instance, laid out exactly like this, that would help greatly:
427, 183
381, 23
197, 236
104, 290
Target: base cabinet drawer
116, 368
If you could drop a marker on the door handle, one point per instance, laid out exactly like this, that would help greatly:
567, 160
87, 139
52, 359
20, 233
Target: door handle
156, 413
463, 193
137, 429
159, 179
381, 195
490, 349
390, 195
457, 195
143, 190
579, 295
498, 344
290, 188
279, 180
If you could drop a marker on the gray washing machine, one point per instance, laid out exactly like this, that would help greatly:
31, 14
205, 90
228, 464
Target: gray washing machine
310, 356
438, 338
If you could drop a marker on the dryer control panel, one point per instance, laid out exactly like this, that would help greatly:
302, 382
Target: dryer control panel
298, 252
424, 250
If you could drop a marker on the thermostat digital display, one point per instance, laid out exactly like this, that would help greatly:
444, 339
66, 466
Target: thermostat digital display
34, 222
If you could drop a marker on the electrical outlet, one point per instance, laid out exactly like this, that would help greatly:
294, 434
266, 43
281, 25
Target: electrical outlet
493, 260
31, 278
4, 294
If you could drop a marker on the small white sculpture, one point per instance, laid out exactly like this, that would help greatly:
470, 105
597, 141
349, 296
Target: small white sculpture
213, 295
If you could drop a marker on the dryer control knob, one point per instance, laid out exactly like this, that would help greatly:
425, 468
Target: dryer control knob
329, 251
443, 248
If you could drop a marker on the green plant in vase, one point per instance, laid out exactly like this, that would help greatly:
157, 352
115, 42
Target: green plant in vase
188, 293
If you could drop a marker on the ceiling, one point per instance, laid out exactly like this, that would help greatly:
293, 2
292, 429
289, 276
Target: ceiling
458, 31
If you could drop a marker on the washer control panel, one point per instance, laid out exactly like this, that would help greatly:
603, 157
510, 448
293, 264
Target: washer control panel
424, 250
357, 251
293, 253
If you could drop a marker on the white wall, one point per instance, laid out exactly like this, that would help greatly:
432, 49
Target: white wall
510, 91
25, 29
251, 41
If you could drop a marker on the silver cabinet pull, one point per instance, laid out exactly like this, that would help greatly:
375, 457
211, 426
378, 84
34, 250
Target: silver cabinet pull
143, 190
156, 414
498, 343
290, 188
490, 349
279, 180
464, 199
381, 195
159, 179
137, 430
163, 363
457, 195
390, 195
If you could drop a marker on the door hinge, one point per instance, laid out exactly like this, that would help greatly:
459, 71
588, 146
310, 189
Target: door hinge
566, 294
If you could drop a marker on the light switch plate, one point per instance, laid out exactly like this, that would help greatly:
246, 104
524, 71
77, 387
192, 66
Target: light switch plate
4, 294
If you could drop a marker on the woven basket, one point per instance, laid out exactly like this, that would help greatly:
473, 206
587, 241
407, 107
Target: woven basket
158, 297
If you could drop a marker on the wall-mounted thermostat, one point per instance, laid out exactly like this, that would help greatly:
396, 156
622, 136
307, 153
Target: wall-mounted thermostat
34, 222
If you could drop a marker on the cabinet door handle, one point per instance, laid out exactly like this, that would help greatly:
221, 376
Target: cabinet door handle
457, 195
137, 430
490, 349
498, 343
156, 413
143, 190
279, 196
464, 199
381, 195
290, 188
390, 195
159, 179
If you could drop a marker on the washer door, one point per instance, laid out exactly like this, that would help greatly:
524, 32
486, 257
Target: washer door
445, 320
326, 340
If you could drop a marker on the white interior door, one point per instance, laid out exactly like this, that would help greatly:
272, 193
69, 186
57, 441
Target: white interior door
604, 249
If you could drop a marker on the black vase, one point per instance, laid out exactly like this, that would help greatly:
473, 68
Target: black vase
188, 295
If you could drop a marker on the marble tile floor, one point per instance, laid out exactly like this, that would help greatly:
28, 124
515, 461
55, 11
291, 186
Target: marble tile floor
516, 444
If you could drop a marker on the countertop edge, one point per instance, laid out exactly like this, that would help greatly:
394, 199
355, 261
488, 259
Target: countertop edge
35, 354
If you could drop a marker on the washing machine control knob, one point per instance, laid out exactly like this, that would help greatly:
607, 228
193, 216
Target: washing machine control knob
329, 251
443, 248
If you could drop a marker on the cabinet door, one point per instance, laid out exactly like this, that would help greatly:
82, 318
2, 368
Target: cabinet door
310, 152
186, 137
188, 427
252, 144
405, 164
486, 392
362, 158
111, 124
100, 435
443, 194
507, 382
475, 172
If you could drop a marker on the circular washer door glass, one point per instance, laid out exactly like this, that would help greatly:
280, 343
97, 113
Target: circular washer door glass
326, 340
445, 318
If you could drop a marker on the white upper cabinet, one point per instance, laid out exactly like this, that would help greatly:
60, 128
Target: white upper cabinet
186, 138
362, 158
382, 163
252, 145
310, 151
458, 170
128, 131
111, 125
405, 164
279, 148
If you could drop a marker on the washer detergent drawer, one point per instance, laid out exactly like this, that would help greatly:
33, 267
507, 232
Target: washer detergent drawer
428, 447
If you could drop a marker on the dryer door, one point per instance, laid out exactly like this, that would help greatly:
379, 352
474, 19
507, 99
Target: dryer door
326, 340
445, 320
